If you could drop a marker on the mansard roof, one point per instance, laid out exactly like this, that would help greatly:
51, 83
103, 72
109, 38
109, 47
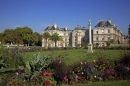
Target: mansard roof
63, 29
104, 24
80, 28
52, 28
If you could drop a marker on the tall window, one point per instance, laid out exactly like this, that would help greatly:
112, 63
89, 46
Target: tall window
96, 31
103, 44
108, 38
97, 38
102, 31
102, 38
108, 31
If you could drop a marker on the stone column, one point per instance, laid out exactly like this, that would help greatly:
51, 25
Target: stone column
90, 47
73, 39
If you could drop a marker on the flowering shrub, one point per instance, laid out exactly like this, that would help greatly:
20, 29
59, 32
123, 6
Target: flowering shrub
123, 66
47, 71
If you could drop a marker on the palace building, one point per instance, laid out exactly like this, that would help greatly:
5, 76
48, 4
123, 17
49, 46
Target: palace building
104, 31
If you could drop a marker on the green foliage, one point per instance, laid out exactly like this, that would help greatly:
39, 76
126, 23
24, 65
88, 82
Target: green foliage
112, 41
13, 59
129, 41
20, 35
46, 36
129, 30
108, 43
55, 37
9, 36
1, 37
38, 63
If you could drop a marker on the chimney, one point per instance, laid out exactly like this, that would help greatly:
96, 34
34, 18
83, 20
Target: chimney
98, 20
55, 26
114, 24
66, 28
109, 20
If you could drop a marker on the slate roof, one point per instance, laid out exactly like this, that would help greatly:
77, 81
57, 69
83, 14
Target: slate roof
80, 28
63, 29
52, 28
103, 24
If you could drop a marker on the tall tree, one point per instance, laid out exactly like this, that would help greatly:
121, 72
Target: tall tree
18, 30
1, 37
39, 39
9, 36
129, 30
112, 41
55, 37
46, 36
25, 34
129, 41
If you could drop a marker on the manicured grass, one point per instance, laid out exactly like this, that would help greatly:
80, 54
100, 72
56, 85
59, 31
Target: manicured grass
108, 83
77, 55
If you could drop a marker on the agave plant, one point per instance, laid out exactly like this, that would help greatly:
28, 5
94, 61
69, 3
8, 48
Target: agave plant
37, 63
2, 64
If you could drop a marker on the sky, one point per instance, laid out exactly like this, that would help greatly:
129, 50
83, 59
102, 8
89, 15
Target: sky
37, 14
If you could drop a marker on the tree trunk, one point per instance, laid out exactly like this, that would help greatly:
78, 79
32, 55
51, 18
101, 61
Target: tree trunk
55, 44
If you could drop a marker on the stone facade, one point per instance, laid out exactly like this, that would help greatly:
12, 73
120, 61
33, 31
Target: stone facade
77, 37
104, 31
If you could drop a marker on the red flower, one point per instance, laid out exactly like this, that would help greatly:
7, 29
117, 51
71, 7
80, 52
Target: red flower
79, 77
49, 74
31, 75
22, 71
110, 67
44, 73
10, 79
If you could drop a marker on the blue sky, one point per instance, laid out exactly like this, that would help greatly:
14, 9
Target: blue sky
37, 14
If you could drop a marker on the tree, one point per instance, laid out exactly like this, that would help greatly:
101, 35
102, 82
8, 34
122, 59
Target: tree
1, 37
18, 30
9, 36
112, 41
129, 30
129, 41
55, 37
25, 34
39, 39
46, 36
108, 43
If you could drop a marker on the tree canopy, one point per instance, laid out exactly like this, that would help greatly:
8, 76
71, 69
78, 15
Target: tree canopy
46, 36
21, 35
55, 37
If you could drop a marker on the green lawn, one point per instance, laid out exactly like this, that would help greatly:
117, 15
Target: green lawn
76, 55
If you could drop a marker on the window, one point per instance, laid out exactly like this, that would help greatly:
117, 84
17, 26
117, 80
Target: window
103, 44
108, 31
102, 38
96, 31
97, 38
102, 31
108, 38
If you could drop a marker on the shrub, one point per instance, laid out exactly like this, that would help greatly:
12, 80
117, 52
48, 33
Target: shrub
123, 66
